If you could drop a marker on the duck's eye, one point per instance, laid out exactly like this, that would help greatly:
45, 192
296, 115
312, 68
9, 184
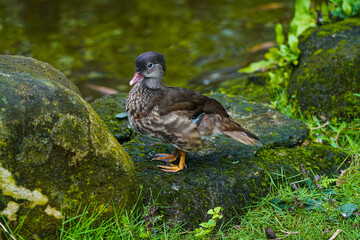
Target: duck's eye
150, 65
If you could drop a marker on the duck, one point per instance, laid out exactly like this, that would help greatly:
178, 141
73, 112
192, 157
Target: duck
174, 115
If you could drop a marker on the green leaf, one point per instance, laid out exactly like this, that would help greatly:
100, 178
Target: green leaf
212, 223
313, 204
333, 143
330, 191
335, 129
204, 224
325, 12
348, 209
276, 200
357, 94
144, 235
4, 100
293, 42
310, 183
274, 54
210, 211
255, 66
302, 19
280, 38
217, 209
121, 115
346, 7
201, 233
352, 143
342, 126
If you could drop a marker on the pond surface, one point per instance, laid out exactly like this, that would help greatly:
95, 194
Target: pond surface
96, 42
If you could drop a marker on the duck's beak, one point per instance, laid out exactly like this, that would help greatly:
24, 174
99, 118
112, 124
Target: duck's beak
137, 77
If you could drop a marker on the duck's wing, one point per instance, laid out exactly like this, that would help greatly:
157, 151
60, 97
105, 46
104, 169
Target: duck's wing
208, 114
190, 103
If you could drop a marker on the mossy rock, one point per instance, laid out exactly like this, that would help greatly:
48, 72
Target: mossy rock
328, 73
224, 173
56, 154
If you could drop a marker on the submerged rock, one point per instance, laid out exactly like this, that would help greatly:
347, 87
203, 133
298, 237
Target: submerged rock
328, 73
224, 173
56, 154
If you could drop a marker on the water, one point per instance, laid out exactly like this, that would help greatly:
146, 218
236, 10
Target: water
96, 42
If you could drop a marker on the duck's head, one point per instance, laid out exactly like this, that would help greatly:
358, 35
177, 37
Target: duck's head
150, 69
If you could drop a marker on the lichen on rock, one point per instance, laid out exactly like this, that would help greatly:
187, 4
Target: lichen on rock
10, 211
9, 187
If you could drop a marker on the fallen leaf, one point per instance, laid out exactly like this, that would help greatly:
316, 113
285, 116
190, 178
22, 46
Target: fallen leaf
347, 209
270, 234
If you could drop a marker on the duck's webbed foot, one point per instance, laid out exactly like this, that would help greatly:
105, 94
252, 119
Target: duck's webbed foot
167, 157
173, 167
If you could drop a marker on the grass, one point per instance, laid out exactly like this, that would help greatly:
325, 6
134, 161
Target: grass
305, 211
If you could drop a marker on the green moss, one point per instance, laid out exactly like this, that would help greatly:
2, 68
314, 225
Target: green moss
107, 108
34, 150
4, 135
318, 51
330, 29
34, 68
252, 87
315, 156
322, 84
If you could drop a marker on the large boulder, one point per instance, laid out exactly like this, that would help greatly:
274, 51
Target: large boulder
328, 73
56, 154
224, 173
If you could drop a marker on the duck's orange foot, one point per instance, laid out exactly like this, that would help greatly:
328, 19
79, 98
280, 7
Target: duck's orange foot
167, 157
172, 168
175, 168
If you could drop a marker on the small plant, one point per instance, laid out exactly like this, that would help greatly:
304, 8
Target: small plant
338, 134
345, 8
286, 52
207, 227
335, 10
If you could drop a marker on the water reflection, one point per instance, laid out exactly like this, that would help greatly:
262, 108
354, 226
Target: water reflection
96, 42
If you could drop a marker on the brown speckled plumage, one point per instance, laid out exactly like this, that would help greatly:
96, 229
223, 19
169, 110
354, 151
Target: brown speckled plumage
176, 115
